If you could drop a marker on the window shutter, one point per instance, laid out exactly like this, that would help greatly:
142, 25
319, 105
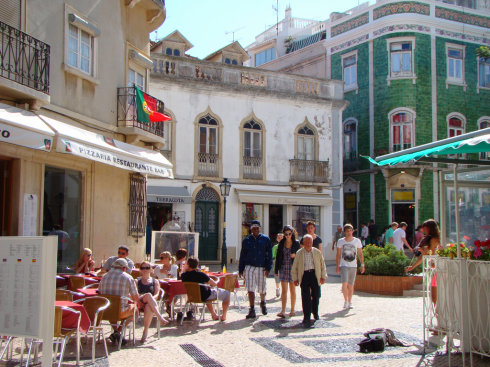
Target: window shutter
10, 13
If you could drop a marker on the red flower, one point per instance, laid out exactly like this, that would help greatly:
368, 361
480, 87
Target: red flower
477, 243
466, 238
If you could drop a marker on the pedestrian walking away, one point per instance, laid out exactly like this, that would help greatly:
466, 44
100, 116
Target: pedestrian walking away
364, 233
399, 238
255, 265
337, 236
286, 253
279, 237
310, 273
348, 248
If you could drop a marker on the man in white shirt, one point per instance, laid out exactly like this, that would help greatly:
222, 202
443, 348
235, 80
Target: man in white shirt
364, 233
399, 237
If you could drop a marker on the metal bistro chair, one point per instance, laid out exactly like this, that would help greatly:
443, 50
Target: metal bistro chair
112, 313
230, 284
60, 333
61, 282
95, 307
159, 306
193, 291
62, 295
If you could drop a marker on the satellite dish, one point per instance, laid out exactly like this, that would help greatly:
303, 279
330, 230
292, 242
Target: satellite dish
174, 226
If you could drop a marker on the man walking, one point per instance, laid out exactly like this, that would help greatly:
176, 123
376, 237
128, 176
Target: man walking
347, 250
399, 237
389, 233
373, 233
310, 272
337, 236
364, 233
255, 265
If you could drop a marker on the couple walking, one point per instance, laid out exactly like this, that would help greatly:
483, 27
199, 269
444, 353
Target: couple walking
294, 265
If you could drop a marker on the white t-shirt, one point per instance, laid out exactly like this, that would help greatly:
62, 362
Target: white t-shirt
173, 272
397, 238
348, 255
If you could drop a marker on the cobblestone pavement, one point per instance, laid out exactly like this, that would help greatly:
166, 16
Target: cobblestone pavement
269, 341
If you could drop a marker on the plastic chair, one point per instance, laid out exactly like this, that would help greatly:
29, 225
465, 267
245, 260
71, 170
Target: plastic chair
95, 307
62, 295
112, 313
230, 284
193, 291
76, 282
159, 306
135, 274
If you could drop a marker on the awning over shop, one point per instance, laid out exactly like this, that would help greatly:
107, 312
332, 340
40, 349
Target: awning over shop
291, 198
24, 128
475, 142
168, 195
86, 144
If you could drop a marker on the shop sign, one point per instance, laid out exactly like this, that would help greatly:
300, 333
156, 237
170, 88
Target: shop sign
25, 138
169, 199
350, 201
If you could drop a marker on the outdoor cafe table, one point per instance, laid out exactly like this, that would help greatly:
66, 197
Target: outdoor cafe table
69, 319
89, 292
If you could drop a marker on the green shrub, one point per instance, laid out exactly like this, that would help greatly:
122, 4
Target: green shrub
386, 261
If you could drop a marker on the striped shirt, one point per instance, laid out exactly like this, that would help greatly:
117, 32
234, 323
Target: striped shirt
309, 264
118, 283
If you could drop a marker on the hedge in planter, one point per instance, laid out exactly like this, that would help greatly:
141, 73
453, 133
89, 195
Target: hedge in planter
386, 261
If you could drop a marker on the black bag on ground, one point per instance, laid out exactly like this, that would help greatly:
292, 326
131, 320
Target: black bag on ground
372, 345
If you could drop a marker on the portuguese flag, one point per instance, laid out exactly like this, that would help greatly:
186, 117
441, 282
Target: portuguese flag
147, 108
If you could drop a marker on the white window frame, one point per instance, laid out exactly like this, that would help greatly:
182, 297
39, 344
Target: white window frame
350, 120
478, 86
302, 141
138, 70
254, 134
389, 42
352, 86
208, 134
390, 119
92, 76
167, 136
452, 80
460, 117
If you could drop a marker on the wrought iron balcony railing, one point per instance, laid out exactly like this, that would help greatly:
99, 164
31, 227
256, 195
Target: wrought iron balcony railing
127, 115
208, 164
252, 168
24, 59
309, 171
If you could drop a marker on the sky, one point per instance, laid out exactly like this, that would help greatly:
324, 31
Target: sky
205, 22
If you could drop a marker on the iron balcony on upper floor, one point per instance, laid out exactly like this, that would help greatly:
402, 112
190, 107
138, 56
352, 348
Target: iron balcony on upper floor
309, 173
24, 67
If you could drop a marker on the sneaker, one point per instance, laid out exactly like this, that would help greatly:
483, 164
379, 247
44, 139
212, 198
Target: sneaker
351, 305
114, 337
346, 304
278, 292
251, 314
263, 308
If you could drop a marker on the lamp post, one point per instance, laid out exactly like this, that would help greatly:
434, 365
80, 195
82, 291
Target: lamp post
225, 191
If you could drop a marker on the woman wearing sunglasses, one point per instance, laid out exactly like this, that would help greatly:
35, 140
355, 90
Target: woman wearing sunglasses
148, 289
286, 252
167, 269
85, 263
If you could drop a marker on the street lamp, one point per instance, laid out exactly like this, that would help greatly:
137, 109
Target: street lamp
225, 191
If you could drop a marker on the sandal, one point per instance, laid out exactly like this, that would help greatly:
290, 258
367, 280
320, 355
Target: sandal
281, 315
223, 319
163, 322
143, 337
292, 314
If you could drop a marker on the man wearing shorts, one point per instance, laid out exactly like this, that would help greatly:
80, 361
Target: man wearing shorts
255, 265
347, 250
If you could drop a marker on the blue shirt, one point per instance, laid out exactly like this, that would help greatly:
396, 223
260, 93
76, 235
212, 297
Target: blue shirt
256, 252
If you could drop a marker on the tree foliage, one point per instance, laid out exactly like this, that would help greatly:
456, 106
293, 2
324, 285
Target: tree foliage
483, 52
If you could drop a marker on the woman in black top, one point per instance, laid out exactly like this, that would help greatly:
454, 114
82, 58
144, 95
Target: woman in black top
286, 252
148, 289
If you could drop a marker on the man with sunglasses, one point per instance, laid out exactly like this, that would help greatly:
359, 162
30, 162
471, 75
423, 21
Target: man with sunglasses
122, 253
255, 265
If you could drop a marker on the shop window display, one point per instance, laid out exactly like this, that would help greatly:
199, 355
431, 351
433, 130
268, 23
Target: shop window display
251, 212
302, 215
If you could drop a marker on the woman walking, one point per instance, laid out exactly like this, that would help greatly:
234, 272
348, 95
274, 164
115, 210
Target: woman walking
286, 252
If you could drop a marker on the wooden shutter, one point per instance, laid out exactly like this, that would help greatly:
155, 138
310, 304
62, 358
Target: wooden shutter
10, 13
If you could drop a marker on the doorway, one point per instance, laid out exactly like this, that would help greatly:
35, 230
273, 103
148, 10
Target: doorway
157, 216
275, 221
207, 226
405, 213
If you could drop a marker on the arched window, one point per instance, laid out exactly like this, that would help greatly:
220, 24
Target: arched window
306, 143
227, 61
234, 62
350, 141
208, 147
456, 125
402, 122
252, 140
176, 52
253, 149
168, 51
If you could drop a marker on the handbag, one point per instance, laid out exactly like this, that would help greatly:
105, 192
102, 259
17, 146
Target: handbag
369, 345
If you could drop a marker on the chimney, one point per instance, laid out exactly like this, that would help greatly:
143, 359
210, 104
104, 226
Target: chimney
288, 12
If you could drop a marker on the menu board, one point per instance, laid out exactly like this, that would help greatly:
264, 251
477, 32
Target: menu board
30, 215
27, 264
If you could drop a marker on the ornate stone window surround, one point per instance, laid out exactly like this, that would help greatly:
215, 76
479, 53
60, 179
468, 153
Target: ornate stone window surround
262, 146
315, 141
352, 86
452, 80
458, 116
390, 119
219, 146
389, 42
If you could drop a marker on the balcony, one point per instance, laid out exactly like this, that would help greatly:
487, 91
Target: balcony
128, 124
309, 172
351, 162
252, 168
24, 67
208, 165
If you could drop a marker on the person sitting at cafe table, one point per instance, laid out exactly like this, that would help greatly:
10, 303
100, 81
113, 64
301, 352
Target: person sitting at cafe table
167, 269
148, 289
118, 283
193, 275
122, 253
85, 263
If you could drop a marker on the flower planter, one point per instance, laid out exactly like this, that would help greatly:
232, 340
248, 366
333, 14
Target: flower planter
385, 285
